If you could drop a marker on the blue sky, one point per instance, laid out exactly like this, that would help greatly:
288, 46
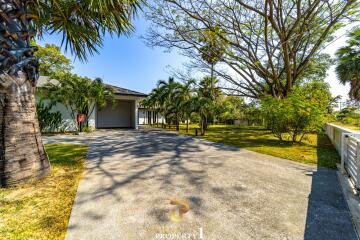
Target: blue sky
127, 62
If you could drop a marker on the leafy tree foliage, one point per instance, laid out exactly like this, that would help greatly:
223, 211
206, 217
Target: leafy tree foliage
349, 115
207, 101
49, 121
51, 60
303, 111
78, 94
233, 108
177, 102
214, 47
270, 45
348, 67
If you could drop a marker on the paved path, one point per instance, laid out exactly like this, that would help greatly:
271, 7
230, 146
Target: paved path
131, 176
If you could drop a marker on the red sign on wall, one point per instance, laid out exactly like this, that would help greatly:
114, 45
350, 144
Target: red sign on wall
80, 117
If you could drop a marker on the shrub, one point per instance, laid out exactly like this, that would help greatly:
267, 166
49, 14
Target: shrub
302, 112
349, 115
48, 121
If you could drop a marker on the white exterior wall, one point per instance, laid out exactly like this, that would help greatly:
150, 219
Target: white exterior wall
92, 117
69, 123
134, 114
144, 119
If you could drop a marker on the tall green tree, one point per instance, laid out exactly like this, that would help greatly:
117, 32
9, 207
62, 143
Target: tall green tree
51, 60
185, 95
269, 44
304, 111
170, 100
348, 66
214, 47
232, 108
78, 94
82, 25
206, 101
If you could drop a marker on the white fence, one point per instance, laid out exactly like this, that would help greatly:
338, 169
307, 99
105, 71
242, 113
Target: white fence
347, 143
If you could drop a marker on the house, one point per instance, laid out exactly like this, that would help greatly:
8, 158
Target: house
124, 114
149, 116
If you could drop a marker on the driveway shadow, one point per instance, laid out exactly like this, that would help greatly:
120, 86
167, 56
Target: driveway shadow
164, 157
328, 216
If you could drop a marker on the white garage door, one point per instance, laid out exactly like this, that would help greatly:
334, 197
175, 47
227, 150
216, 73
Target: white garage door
115, 117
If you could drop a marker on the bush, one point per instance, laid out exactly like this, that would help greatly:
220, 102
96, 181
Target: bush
303, 111
349, 116
48, 121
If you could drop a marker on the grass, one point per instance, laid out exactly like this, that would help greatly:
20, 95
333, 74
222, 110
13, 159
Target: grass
316, 149
41, 209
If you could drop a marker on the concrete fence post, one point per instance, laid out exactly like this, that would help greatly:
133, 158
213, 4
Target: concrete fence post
343, 151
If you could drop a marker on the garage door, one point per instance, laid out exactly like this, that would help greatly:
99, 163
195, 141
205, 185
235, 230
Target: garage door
115, 117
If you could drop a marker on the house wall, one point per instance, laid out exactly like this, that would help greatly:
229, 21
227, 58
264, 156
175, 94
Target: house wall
134, 114
149, 117
68, 122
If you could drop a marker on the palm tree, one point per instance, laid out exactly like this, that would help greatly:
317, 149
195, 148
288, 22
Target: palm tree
83, 25
348, 67
153, 101
169, 100
185, 95
208, 94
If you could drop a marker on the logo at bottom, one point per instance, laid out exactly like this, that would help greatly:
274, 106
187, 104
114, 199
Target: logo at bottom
177, 214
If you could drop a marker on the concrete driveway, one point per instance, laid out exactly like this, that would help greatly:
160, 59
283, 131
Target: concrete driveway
131, 177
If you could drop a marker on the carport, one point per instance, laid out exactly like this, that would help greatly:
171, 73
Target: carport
117, 115
122, 113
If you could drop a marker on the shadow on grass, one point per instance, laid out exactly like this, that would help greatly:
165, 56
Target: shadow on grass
328, 216
314, 149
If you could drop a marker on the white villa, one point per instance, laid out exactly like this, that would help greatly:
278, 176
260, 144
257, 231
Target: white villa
125, 114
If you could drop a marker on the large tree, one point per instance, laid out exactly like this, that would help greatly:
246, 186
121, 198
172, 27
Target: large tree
269, 44
348, 66
51, 60
82, 25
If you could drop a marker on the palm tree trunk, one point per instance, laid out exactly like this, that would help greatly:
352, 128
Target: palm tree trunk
212, 71
187, 125
22, 154
202, 127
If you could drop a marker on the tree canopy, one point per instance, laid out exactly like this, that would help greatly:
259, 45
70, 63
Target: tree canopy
348, 66
269, 45
78, 94
51, 60
82, 24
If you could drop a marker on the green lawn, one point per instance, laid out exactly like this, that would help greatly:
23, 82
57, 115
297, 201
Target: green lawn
41, 210
316, 149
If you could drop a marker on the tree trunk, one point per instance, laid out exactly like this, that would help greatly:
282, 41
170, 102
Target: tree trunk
187, 125
22, 154
202, 127
177, 125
